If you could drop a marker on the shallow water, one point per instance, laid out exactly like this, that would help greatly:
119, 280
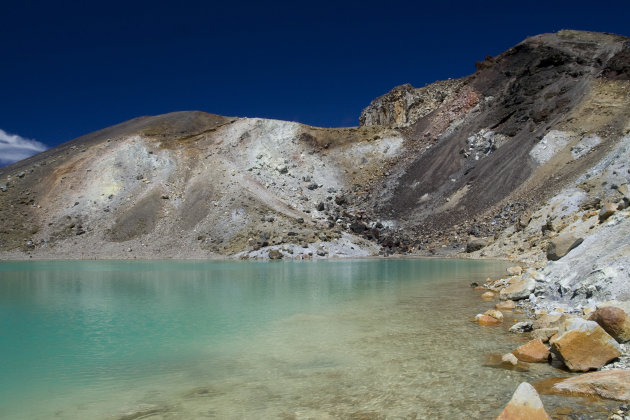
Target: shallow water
229, 340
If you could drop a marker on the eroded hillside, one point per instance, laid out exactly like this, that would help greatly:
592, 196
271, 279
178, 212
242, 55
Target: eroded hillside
428, 168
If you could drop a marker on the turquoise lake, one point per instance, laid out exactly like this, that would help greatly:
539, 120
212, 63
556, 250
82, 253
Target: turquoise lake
364, 339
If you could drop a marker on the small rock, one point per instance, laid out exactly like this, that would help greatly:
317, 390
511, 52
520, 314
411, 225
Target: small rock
486, 320
475, 244
320, 206
608, 209
533, 352
494, 314
165, 197
584, 345
3, 187
30, 244
561, 245
21, 175
525, 404
521, 327
614, 321
507, 305
515, 270
509, 358
282, 169
312, 186
275, 254
487, 295
612, 384
544, 334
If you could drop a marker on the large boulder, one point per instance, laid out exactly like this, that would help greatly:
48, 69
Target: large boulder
519, 288
613, 384
525, 404
533, 352
584, 345
544, 334
475, 244
614, 321
561, 245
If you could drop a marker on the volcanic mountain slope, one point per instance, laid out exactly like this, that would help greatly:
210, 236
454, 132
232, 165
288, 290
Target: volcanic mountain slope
427, 167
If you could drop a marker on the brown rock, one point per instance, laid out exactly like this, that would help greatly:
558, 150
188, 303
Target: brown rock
584, 345
486, 320
487, 295
613, 384
525, 404
614, 321
475, 244
534, 352
544, 334
607, 210
507, 305
561, 245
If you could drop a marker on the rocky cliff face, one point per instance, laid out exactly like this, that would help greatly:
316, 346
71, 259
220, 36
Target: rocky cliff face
427, 169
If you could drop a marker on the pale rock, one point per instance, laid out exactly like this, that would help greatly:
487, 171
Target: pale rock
608, 209
519, 289
553, 320
515, 270
525, 404
544, 334
613, 384
509, 358
584, 345
475, 244
521, 327
533, 352
561, 245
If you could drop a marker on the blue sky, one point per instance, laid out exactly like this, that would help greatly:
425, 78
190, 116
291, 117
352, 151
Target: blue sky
70, 68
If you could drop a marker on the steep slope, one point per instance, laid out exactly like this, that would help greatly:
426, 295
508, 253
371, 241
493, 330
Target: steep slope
426, 169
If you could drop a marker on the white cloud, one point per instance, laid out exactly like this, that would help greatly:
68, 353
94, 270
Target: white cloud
14, 147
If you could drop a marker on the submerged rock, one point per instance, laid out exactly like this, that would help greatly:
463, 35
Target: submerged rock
525, 404
507, 305
486, 320
611, 384
584, 345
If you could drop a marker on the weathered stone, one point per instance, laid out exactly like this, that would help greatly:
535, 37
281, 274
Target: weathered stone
561, 245
275, 254
475, 244
525, 404
607, 210
487, 295
584, 345
507, 305
544, 334
515, 270
486, 320
549, 321
509, 358
613, 384
533, 352
494, 314
614, 321
521, 327
519, 288
624, 190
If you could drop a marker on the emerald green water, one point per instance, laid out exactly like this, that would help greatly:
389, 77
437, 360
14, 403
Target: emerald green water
189, 339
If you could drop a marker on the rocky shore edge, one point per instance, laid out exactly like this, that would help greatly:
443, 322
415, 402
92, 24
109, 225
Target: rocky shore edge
590, 337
